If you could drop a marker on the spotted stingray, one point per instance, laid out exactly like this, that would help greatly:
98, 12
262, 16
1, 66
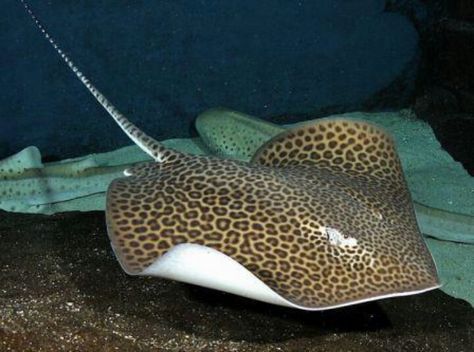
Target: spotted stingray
320, 218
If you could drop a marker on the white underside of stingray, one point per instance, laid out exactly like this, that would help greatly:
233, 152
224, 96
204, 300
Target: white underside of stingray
207, 267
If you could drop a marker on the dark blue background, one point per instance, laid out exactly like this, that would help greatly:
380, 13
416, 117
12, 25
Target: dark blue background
163, 62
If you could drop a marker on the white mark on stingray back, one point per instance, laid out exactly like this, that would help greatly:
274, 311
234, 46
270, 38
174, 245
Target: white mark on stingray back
336, 238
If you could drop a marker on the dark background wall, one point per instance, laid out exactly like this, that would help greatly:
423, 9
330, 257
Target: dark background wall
164, 62
445, 83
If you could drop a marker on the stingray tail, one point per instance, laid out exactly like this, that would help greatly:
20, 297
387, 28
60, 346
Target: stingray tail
149, 145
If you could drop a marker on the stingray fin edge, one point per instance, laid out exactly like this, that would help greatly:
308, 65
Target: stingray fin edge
351, 147
207, 267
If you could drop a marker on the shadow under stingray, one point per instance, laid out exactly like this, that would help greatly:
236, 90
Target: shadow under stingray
362, 317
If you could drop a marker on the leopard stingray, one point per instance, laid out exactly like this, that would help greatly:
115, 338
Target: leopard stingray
321, 218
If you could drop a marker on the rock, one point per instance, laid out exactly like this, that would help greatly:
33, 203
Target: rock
63, 290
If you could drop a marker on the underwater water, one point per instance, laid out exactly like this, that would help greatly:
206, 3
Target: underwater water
286, 176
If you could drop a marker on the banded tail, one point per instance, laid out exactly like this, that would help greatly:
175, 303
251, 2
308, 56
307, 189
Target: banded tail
149, 145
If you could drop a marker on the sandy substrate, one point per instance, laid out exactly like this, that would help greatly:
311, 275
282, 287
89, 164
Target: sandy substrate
61, 289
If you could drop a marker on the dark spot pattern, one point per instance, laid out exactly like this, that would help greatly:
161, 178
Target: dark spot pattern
271, 215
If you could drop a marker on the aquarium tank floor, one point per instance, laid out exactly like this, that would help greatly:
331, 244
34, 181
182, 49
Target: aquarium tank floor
62, 290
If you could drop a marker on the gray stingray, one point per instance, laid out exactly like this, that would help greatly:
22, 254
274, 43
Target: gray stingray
320, 218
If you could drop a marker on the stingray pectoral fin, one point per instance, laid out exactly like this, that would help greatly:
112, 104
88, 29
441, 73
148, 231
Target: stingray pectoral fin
204, 266
207, 267
358, 163
28, 158
350, 146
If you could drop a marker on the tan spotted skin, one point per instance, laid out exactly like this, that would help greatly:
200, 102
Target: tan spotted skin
269, 218
354, 147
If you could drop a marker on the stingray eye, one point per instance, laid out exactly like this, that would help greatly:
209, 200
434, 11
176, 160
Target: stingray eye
127, 172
